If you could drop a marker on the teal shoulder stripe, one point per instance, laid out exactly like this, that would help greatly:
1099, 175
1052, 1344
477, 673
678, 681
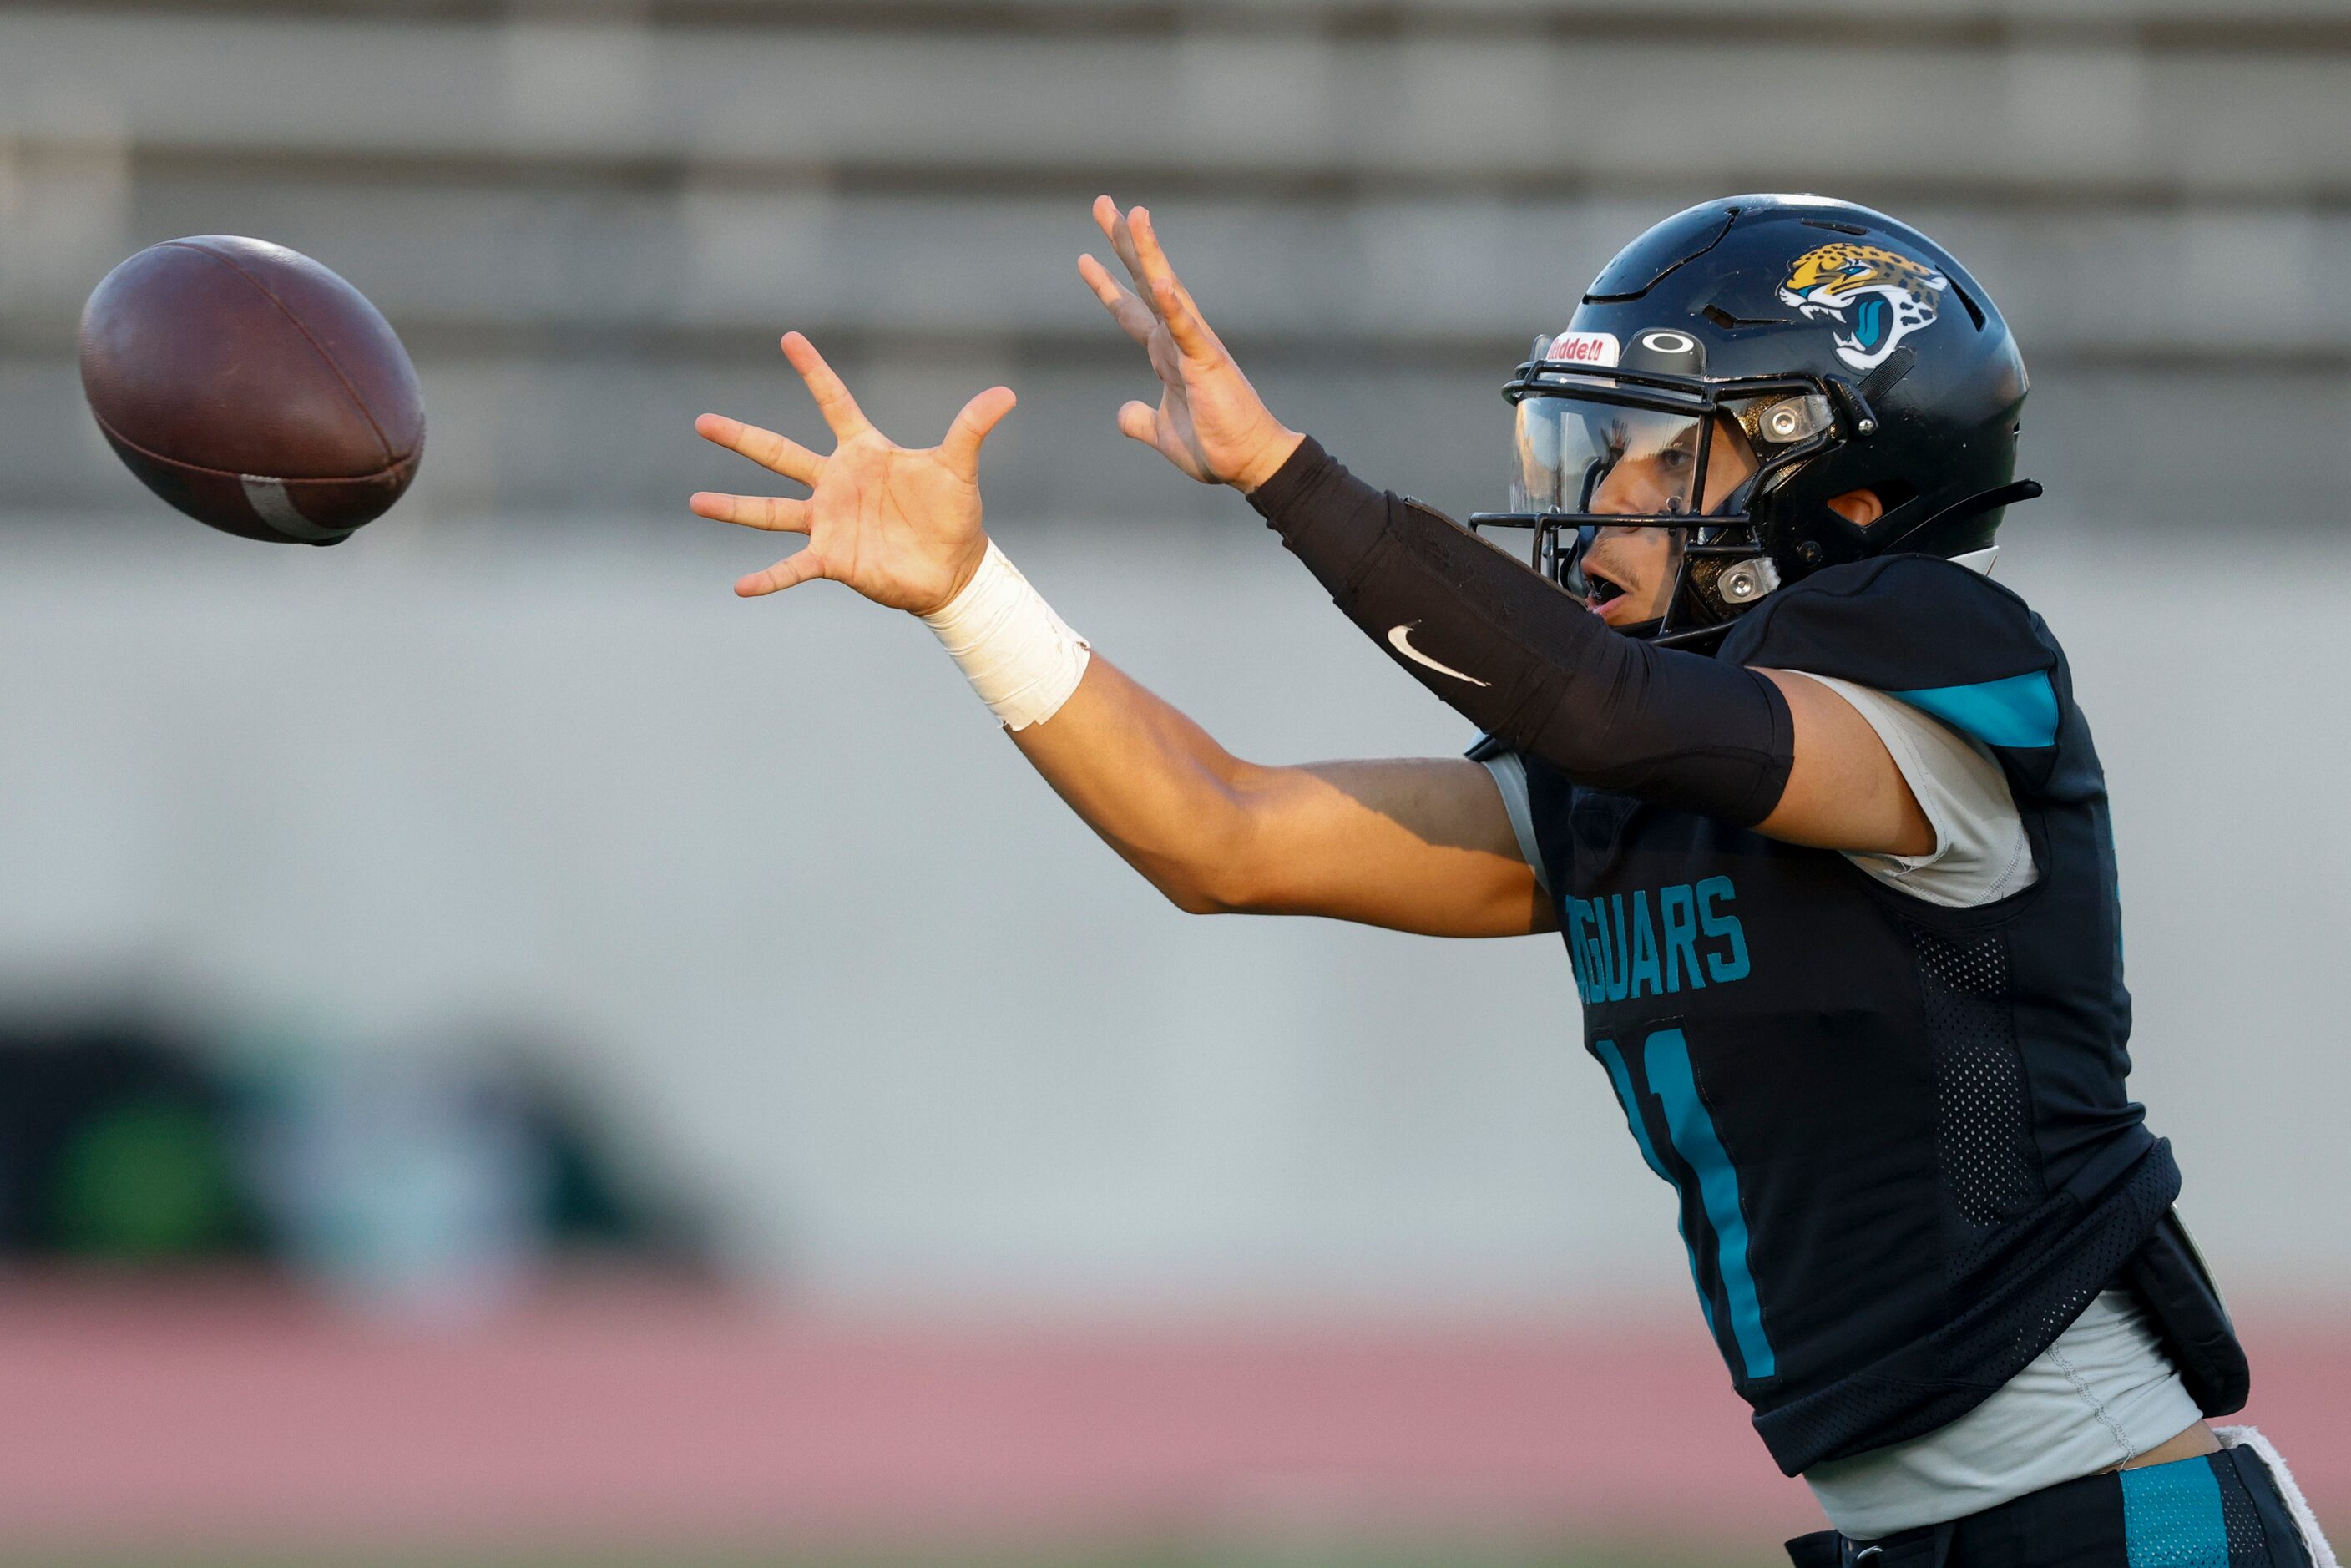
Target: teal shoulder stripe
2171, 1516
2020, 712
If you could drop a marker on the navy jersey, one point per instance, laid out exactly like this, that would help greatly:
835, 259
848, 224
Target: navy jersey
1899, 1132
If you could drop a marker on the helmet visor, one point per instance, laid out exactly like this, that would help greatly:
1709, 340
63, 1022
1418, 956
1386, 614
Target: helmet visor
1584, 455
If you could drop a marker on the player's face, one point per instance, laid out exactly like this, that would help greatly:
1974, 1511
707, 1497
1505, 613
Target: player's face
1631, 571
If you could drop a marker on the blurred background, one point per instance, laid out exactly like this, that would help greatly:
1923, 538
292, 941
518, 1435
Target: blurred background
506, 1052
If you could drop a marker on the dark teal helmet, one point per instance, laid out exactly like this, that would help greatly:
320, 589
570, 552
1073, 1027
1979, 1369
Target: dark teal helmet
1743, 363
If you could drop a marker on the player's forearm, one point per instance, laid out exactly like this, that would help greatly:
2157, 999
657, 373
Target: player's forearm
1149, 780
1420, 846
1522, 660
1156, 786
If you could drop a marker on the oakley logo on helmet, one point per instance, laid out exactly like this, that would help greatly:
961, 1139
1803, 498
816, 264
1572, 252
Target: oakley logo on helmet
1666, 351
1877, 296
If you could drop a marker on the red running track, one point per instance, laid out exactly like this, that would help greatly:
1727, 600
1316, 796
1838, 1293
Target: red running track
237, 1414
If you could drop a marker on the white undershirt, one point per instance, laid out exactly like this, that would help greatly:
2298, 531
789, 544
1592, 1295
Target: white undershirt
2104, 1392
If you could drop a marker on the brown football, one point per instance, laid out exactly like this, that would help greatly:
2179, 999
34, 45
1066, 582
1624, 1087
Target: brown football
253, 389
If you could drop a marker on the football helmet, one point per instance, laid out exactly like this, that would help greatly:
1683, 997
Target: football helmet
1740, 365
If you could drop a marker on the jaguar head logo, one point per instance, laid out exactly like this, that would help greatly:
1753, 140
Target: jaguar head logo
1878, 297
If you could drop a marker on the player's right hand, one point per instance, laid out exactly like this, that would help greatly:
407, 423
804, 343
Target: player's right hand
1210, 422
899, 525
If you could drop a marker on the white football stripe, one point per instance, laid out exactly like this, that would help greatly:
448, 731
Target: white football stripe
271, 503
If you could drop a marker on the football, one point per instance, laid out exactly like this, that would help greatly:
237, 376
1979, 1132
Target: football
253, 389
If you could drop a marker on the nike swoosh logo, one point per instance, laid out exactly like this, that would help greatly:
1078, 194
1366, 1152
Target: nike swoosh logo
1400, 639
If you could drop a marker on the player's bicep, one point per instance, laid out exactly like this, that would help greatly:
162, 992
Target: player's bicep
1845, 790
1423, 845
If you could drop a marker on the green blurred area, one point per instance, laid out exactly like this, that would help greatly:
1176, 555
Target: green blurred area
142, 1181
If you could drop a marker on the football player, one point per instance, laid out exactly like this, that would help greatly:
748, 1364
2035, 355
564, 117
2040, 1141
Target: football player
1806, 794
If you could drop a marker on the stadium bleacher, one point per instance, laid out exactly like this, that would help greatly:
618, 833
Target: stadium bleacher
590, 218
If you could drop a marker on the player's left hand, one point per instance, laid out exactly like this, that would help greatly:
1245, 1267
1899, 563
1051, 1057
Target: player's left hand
899, 525
1210, 422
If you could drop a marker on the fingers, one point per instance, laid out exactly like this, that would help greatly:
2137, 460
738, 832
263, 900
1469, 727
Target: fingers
788, 572
960, 450
1136, 240
1184, 325
1168, 296
770, 513
832, 400
1115, 229
1132, 315
764, 447
1151, 264
1141, 421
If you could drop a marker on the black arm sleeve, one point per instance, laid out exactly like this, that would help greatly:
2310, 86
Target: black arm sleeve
1525, 661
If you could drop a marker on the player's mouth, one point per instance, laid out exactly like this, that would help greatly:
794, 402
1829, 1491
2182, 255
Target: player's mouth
1604, 594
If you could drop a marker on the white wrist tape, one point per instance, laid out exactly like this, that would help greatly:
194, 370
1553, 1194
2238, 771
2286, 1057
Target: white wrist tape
1021, 658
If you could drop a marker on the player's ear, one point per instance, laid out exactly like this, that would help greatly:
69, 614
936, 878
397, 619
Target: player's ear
1859, 508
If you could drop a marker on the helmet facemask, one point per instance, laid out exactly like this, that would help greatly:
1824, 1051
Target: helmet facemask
1612, 447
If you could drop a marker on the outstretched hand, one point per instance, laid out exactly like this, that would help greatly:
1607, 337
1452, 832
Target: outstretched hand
900, 525
1210, 422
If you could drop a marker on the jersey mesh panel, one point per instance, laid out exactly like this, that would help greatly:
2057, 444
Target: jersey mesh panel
1984, 1120
2248, 1544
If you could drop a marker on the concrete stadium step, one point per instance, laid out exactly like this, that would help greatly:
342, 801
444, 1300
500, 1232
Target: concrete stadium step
1540, 105
2152, 17
700, 261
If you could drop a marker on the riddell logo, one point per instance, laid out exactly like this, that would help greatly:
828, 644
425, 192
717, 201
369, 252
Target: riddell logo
1583, 348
